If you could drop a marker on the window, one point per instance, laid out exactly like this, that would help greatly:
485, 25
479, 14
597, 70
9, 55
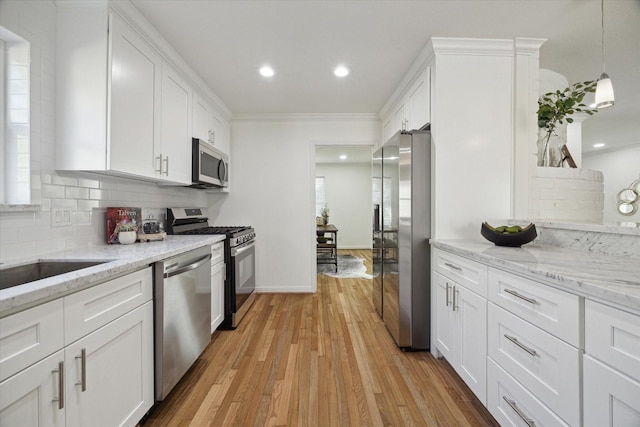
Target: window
15, 182
320, 194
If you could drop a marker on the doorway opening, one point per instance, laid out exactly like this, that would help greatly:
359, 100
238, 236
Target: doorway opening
343, 213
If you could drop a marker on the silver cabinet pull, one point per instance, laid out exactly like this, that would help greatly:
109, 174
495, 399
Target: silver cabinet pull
60, 372
519, 344
213, 137
83, 369
455, 305
447, 294
522, 297
455, 267
166, 162
159, 159
514, 406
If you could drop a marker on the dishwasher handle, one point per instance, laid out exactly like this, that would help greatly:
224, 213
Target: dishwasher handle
192, 266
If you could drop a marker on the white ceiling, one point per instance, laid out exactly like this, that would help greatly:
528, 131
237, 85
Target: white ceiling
226, 42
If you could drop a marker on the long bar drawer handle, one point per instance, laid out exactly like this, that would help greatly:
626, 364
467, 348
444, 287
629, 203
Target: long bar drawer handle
60, 372
522, 297
83, 369
455, 267
519, 344
514, 406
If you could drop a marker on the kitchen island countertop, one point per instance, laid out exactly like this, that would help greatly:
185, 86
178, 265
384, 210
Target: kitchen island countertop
605, 278
121, 259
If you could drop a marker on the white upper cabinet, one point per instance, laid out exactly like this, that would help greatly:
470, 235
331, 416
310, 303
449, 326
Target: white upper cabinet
135, 72
174, 154
125, 99
208, 125
412, 110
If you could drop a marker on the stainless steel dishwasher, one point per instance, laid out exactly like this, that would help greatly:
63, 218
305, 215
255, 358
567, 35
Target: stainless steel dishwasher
182, 304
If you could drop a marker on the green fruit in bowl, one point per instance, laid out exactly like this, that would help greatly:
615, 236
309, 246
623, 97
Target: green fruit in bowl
505, 229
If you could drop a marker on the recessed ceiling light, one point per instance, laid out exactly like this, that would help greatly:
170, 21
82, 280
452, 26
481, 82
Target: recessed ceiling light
343, 157
598, 145
266, 71
342, 71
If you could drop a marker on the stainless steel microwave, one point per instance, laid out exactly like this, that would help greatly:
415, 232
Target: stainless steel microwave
210, 167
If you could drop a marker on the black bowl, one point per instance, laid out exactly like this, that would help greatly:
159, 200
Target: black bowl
515, 240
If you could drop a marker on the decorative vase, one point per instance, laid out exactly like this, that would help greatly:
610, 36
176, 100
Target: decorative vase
550, 146
127, 237
325, 220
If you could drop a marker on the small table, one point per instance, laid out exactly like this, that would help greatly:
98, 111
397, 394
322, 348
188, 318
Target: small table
328, 249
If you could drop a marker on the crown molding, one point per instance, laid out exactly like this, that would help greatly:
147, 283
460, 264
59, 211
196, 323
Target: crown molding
306, 117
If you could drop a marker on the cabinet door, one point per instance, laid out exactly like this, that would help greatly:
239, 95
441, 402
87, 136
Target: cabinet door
400, 118
419, 103
610, 398
471, 340
118, 372
445, 320
31, 397
175, 151
216, 130
217, 295
201, 119
134, 125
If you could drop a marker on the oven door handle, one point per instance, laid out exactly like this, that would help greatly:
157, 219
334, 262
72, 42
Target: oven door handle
188, 267
238, 251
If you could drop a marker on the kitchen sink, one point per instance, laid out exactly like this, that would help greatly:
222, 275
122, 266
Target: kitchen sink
22, 274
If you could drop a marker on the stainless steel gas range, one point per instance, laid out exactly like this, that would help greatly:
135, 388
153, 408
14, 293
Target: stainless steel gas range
239, 256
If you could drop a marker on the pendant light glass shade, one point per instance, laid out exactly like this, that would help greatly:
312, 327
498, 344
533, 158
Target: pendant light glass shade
604, 89
604, 92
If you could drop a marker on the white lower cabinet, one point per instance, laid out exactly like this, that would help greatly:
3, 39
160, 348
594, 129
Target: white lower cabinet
109, 378
102, 377
461, 326
217, 285
546, 366
611, 367
32, 397
511, 404
610, 398
533, 333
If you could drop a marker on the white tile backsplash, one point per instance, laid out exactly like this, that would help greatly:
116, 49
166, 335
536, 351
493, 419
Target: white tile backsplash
29, 233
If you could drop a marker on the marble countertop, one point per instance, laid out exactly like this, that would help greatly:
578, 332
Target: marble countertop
604, 278
121, 259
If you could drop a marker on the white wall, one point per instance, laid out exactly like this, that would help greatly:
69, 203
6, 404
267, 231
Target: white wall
272, 188
620, 168
30, 233
348, 196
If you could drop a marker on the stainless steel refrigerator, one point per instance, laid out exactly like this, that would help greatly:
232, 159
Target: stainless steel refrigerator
401, 172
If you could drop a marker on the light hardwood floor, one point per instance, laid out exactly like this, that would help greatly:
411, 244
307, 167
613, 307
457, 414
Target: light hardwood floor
321, 359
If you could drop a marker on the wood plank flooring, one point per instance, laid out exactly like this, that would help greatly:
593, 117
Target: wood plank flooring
323, 359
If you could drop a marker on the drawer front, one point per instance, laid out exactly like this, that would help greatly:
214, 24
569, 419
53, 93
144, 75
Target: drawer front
87, 310
555, 311
512, 405
610, 398
548, 367
613, 336
467, 273
217, 253
29, 336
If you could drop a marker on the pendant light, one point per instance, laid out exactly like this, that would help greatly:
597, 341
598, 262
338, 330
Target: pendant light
604, 89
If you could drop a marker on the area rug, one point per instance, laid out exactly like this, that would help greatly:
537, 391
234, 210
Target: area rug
349, 267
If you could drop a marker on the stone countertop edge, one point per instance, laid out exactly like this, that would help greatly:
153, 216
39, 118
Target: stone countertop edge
604, 278
121, 259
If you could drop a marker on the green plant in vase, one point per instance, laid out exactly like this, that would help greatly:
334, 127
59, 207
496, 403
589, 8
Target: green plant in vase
555, 108
324, 212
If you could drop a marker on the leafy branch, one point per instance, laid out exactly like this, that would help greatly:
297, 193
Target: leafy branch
554, 108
